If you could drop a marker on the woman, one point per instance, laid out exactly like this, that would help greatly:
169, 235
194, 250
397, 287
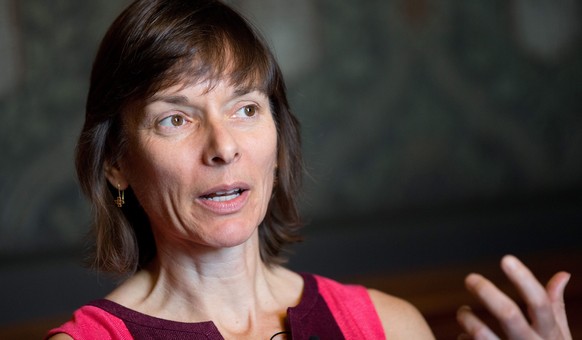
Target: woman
191, 159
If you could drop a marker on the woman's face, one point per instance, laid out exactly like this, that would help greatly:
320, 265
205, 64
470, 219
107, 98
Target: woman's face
201, 163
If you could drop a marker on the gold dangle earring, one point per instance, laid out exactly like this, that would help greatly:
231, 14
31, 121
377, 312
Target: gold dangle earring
120, 200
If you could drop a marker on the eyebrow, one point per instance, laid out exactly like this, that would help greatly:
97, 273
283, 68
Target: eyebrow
183, 100
171, 99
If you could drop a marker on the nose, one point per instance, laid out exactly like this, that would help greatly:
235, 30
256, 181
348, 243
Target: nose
221, 146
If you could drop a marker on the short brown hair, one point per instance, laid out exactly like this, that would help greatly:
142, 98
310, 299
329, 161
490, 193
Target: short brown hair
155, 44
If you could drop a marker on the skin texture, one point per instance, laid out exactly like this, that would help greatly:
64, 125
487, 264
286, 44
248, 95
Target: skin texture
191, 142
400, 319
545, 305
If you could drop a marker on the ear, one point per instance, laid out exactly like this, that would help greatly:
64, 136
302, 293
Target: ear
115, 176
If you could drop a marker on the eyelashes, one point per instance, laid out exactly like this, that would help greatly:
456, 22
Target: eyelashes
180, 120
247, 111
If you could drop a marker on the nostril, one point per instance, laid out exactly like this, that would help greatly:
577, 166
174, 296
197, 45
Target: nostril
221, 147
224, 158
217, 160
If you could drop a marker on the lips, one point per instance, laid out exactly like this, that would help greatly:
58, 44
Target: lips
225, 190
225, 199
223, 196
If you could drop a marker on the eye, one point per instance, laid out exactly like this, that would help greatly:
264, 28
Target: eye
173, 121
247, 111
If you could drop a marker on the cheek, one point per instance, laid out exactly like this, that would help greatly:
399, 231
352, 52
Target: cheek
151, 169
272, 141
270, 164
269, 152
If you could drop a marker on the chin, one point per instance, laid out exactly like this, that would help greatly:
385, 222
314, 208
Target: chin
232, 235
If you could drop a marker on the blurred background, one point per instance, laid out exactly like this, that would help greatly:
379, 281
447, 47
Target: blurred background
438, 136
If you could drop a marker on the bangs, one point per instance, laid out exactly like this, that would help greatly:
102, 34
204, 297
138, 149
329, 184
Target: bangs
183, 42
243, 66
208, 52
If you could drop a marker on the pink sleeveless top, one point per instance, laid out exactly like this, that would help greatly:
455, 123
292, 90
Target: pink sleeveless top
327, 310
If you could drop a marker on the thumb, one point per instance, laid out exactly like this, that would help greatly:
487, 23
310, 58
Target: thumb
555, 289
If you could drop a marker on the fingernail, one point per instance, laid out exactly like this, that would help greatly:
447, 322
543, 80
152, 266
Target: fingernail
510, 262
464, 308
567, 280
462, 313
472, 278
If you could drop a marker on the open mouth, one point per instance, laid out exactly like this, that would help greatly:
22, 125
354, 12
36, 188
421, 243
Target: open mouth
223, 196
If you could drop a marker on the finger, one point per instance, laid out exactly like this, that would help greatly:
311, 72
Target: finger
500, 306
533, 293
475, 328
555, 289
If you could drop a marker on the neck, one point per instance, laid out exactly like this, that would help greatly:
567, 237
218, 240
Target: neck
230, 286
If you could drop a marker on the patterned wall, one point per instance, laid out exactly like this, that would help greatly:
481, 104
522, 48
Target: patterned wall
49, 47
404, 103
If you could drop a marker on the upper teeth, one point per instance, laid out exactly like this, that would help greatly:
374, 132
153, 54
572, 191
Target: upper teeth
221, 196
226, 192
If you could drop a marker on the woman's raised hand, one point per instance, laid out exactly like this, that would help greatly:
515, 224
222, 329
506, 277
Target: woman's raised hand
545, 305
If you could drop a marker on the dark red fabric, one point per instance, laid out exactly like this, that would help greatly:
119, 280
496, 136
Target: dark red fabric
142, 326
328, 310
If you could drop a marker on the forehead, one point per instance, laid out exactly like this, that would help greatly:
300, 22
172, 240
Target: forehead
207, 74
185, 91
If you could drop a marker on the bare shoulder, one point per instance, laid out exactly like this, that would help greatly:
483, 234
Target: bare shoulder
60, 336
400, 319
